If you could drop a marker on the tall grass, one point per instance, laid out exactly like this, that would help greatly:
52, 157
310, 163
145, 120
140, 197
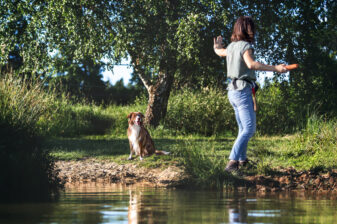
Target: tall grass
65, 118
206, 164
23, 102
68, 119
315, 147
206, 112
26, 171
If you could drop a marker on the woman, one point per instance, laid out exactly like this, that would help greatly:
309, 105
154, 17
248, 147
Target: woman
240, 68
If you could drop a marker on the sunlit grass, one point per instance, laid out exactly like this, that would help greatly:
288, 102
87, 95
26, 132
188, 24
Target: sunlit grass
205, 158
117, 148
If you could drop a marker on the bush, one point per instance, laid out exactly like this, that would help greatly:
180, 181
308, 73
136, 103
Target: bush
119, 115
276, 113
25, 170
206, 112
67, 119
281, 110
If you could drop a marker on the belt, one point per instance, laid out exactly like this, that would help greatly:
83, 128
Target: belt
255, 87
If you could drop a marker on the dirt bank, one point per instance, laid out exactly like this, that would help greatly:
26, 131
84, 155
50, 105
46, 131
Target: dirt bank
91, 170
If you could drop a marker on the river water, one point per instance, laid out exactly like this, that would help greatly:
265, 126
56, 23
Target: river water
142, 204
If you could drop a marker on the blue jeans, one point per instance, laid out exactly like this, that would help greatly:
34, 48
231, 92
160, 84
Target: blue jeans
242, 103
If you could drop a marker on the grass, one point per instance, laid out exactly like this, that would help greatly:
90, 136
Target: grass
261, 149
205, 157
197, 131
203, 152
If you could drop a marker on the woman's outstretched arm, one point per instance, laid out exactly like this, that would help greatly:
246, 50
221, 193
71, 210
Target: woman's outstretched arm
255, 65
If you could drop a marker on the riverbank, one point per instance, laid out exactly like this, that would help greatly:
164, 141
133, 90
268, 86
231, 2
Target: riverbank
104, 171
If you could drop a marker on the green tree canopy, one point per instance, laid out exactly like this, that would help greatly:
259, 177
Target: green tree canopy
170, 42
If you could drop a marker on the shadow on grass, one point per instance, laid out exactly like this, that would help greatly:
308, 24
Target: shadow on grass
88, 146
77, 148
113, 147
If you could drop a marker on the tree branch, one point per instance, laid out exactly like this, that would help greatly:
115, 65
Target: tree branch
140, 72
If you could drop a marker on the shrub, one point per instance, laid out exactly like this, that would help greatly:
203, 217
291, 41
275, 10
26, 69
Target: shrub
206, 112
276, 113
25, 170
67, 119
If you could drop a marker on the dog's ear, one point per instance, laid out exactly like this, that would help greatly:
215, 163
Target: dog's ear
129, 116
142, 115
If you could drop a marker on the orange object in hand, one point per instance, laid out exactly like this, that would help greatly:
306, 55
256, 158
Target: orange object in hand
292, 66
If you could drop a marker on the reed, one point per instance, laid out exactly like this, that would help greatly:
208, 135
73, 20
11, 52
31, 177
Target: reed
26, 171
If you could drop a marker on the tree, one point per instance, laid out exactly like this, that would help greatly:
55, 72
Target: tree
81, 80
170, 42
38, 29
301, 32
51, 35
163, 40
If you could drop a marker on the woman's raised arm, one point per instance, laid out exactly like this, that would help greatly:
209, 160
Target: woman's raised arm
218, 48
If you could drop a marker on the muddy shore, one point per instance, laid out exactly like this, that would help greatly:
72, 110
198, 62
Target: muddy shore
100, 171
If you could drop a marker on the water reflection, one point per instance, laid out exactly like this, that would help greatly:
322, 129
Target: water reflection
238, 211
145, 208
237, 215
143, 204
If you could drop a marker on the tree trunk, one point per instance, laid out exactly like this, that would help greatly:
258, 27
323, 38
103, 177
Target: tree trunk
158, 99
158, 88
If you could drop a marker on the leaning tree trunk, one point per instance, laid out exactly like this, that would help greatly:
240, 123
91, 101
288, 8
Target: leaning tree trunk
158, 99
159, 93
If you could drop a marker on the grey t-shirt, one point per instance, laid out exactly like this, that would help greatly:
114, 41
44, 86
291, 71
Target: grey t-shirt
236, 66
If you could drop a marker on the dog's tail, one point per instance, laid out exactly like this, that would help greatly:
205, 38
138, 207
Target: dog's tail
158, 152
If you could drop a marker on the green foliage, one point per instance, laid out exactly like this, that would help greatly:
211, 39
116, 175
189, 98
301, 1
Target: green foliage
120, 113
67, 119
315, 147
299, 32
44, 38
26, 171
23, 102
207, 167
206, 112
119, 94
277, 113
21, 32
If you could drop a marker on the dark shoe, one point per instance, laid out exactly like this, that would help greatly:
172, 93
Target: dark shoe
247, 164
243, 163
232, 165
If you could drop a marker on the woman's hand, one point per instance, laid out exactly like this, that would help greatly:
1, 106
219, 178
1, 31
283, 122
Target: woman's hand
281, 68
218, 48
217, 42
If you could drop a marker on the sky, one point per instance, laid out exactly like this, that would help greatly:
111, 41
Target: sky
124, 72
119, 72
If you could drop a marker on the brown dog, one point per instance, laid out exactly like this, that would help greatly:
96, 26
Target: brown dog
140, 140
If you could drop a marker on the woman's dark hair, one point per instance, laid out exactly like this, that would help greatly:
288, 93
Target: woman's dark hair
244, 29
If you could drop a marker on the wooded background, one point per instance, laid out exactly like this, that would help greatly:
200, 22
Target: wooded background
169, 44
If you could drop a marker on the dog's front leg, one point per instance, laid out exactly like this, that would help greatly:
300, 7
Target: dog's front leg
130, 156
131, 151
